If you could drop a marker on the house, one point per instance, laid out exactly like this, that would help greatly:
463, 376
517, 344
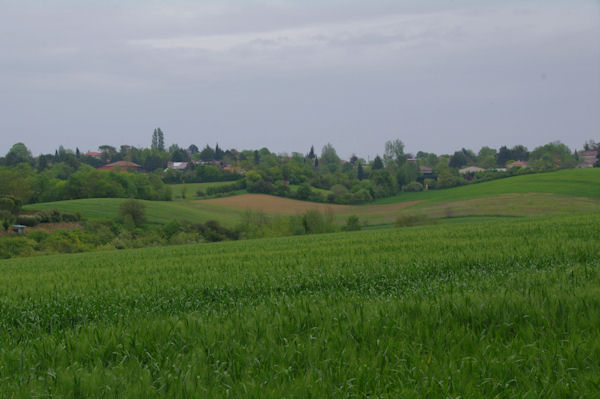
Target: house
177, 165
470, 169
587, 159
234, 169
122, 166
520, 164
97, 155
426, 171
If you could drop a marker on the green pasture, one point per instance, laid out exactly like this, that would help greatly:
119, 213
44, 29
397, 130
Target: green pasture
192, 188
572, 182
156, 211
508, 308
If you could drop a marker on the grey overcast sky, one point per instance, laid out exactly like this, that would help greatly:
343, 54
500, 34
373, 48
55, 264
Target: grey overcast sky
439, 75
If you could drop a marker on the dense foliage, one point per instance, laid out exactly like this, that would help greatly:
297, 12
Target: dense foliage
326, 178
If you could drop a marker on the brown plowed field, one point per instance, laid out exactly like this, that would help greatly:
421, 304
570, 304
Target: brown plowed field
286, 206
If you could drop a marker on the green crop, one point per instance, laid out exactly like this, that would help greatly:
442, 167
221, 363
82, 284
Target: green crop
495, 309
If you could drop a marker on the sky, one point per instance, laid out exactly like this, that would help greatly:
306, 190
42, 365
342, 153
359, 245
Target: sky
282, 74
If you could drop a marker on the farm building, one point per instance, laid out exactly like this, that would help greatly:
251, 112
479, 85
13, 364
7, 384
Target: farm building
470, 169
521, 164
177, 165
587, 159
425, 170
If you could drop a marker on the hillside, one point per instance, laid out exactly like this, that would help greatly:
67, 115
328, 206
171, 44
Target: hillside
567, 191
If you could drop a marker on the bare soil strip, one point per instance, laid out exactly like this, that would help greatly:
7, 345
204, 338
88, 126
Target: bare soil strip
286, 206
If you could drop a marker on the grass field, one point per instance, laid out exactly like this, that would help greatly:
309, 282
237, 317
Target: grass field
192, 188
560, 192
156, 211
495, 309
572, 182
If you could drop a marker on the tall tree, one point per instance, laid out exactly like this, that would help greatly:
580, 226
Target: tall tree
17, 154
158, 140
394, 152
360, 172
311, 154
207, 154
377, 163
218, 153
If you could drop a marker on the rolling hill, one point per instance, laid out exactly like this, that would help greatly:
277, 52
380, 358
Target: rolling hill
562, 192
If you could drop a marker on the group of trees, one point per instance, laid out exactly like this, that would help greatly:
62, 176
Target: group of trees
323, 177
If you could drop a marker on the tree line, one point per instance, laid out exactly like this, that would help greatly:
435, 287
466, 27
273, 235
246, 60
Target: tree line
322, 177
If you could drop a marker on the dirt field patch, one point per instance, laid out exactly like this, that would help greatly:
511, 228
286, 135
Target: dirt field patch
274, 205
285, 206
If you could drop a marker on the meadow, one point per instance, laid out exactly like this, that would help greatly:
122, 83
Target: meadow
190, 189
506, 308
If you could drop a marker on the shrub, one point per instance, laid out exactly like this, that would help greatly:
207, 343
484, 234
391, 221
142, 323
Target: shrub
352, 223
133, 211
16, 246
28, 220
315, 222
412, 187
408, 220
71, 217
303, 192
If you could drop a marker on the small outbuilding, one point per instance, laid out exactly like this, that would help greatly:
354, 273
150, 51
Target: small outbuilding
471, 169
18, 228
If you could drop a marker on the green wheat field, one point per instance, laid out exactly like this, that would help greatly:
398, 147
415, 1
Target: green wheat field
502, 308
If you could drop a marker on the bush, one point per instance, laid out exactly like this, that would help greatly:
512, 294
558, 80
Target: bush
315, 222
132, 211
413, 187
28, 220
71, 217
408, 220
49, 216
352, 223
16, 246
303, 192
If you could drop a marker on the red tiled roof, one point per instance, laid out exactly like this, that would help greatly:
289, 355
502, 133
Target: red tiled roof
120, 165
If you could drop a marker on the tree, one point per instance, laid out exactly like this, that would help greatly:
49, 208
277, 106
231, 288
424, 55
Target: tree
18, 153
377, 163
193, 149
329, 155
133, 211
218, 153
304, 191
394, 152
311, 154
158, 140
458, 160
519, 153
207, 154
180, 155
552, 156
360, 172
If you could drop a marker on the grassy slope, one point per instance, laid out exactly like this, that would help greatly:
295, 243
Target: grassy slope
506, 309
574, 182
192, 188
156, 211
